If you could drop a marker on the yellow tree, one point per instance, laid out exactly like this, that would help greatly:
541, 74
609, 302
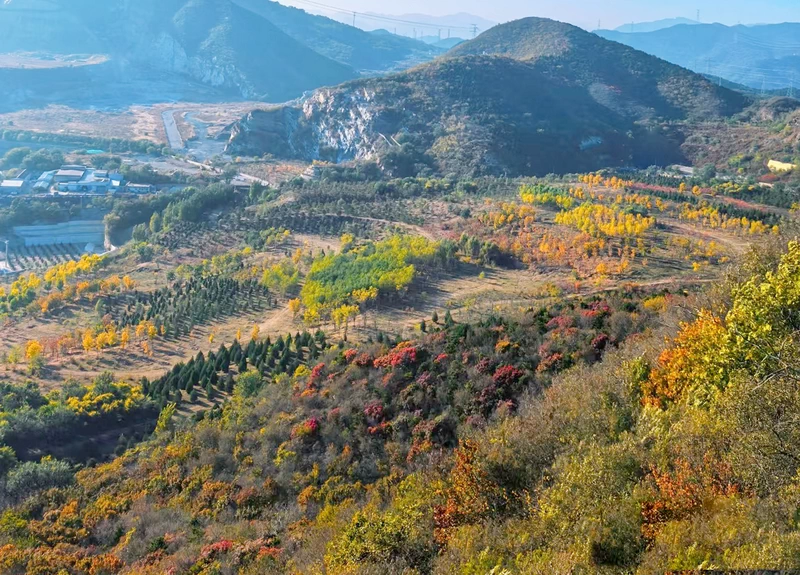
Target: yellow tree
256, 331
33, 350
124, 337
342, 315
294, 306
88, 340
311, 316
347, 242
363, 297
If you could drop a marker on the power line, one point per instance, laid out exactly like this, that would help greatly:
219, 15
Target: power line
381, 18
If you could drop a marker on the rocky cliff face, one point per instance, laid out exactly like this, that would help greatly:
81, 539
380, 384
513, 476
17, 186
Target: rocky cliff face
473, 115
332, 124
346, 121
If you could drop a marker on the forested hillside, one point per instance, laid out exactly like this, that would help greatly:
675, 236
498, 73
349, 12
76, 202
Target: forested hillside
631, 82
530, 97
466, 450
354, 373
351, 46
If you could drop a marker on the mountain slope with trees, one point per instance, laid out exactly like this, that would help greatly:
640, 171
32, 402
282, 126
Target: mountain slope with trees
189, 49
654, 87
583, 435
529, 97
343, 43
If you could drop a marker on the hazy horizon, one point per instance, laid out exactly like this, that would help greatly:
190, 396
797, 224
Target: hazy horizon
584, 13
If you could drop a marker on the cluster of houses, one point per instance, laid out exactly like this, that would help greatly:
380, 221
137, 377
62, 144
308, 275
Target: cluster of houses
72, 180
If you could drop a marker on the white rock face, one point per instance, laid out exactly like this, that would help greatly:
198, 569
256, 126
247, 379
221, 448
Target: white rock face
344, 121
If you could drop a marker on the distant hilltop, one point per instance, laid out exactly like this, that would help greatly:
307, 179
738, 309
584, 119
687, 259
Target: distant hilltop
639, 27
765, 57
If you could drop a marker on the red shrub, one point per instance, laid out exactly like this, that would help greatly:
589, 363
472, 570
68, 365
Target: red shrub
559, 322
402, 355
306, 429
600, 342
485, 366
214, 549
550, 363
316, 372
374, 411
363, 360
507, 375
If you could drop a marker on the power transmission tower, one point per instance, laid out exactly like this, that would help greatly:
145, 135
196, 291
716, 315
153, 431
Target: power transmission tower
440, 34
763, 85
791, 85
354, 19
698, 15
474, 30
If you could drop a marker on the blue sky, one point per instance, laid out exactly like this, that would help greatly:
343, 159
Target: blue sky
586, 13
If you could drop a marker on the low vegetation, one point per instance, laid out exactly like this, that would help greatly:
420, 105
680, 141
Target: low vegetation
310, 387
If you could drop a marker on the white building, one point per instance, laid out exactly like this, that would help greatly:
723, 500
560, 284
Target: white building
79, 232
15, 186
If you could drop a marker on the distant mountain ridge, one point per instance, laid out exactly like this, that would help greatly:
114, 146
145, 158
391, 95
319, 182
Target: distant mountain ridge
460, 24
528, 97
253, 49
766, 56
638, 27
343, 43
